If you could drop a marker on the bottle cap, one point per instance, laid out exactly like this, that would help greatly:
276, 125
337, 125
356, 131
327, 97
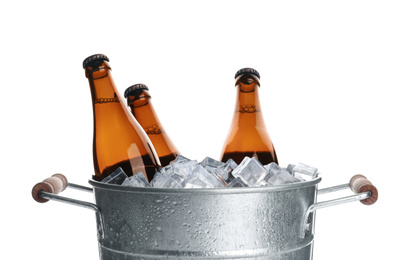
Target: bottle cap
137, 87
94, 58
247, 70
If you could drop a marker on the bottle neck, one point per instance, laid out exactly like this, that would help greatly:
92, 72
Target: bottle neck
103, 88
248, 107
143, 110
139, 100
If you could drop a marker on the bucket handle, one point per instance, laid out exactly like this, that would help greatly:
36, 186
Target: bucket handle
50, 187
364, 190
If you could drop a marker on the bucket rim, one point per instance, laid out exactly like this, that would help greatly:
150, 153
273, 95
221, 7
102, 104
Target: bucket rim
218, 191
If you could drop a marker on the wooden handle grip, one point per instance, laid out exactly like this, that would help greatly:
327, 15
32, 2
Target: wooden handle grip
54, 184
359, 183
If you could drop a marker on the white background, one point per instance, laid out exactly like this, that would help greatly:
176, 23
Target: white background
333, 93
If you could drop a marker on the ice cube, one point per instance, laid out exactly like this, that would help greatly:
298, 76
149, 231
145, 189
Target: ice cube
224, 171
169, 181
230, 179
300, 176
176, 181
137, 180
159, 178
180, 158
221, 180
116, 177
305, 169
261, 183
210, 162
237, 171
219, 169
281, 177
166, 169
250, 170
237, 182
269, 175
201, 178
289, 168
272, 167
232, 163
195, 182
214, 166
184, 168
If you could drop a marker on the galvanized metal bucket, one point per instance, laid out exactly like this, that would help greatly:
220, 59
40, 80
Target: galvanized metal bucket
274, 222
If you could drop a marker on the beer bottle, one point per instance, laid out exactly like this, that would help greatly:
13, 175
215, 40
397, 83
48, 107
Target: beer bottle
248, 135
118, 140
139, 101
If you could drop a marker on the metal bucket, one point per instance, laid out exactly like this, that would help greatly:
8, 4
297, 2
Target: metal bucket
274, 222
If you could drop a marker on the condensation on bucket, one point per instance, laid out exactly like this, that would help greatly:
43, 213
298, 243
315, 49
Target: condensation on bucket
240, 223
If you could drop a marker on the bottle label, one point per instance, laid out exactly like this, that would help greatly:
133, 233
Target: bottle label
115, 99
248, 108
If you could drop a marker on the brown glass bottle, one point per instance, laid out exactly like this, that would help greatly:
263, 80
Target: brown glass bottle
118, 140
139, 101
248, 135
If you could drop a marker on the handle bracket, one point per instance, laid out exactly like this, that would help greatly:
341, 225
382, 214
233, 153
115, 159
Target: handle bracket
364, 191
50, 187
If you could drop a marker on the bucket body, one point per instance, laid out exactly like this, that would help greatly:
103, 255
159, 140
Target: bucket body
237, 223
